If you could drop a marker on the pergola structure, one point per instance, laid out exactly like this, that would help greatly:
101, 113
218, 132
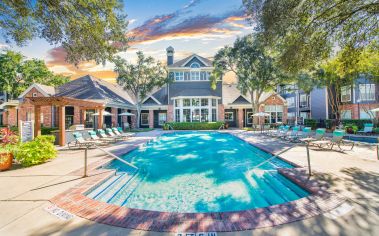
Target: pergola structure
61, 102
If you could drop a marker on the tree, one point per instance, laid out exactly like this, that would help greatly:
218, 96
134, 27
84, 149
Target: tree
140, 78
87, 30
308, 32
16, 74
253, 65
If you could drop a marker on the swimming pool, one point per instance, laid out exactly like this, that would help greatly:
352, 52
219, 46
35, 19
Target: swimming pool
197, 172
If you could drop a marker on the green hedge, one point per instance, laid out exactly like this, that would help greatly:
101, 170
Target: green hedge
193, 125
47, 130
359, 123
310, 123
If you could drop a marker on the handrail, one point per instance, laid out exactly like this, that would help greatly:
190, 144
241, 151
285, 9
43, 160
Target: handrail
116, 157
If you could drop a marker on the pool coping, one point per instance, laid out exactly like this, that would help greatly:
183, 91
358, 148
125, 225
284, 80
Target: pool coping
76, 202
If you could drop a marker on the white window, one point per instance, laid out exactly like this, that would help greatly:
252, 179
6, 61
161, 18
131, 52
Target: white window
186, 102
177, 102
276, 113
195, 75
144, 118
179, 76
366, 92
177, 115
162, 117
365, 114
346, 114
34, 95
195, 65
229, 116
214, 102
304, 100
214, 115
290, 101
195, 109
346, 94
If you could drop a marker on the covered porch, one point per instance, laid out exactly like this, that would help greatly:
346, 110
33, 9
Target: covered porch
61, 103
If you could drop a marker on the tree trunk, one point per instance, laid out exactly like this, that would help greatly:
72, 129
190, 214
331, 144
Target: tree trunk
138, 114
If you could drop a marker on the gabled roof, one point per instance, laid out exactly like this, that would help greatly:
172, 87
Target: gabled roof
89, 87
240, 100
47, 91
183, 62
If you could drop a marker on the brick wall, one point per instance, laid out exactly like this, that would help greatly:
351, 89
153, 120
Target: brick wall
134, 119
240, 117
170, 113
77, 115
221, 112
114, 116
151, 118
354, 108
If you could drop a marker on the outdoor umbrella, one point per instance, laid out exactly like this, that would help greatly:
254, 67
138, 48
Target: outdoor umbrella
126, 114
261, 114
105, 113
375, 109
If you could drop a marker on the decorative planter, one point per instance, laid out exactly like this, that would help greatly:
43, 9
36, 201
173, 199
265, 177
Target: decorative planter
6, 161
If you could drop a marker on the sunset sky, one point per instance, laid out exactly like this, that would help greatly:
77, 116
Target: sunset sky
190, 26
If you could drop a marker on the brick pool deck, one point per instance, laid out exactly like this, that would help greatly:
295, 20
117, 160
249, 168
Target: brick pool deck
75, 201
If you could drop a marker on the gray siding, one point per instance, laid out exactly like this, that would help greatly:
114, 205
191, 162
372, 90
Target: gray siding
318, 104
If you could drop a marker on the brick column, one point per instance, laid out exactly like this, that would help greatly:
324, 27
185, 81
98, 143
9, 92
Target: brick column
114, 116
151, 119
240, 118
76, 115
170, 113
285, 114
133, 125
221, 112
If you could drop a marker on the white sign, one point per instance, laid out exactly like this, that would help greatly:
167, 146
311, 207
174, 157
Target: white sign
26, 130
59, 212
197, 234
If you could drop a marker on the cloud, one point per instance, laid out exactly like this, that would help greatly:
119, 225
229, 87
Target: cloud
56, 62
175, 25
3, 46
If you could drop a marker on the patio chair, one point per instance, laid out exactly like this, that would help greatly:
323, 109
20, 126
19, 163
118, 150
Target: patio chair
117, 132
94, 137
368, 129
337, 140
111, 134
275, 132
293, 135
103, 135
81, 142
319, 135
283, 132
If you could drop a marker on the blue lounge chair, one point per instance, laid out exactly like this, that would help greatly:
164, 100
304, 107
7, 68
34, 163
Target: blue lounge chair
368, 129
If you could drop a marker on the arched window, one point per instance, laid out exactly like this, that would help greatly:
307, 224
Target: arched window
195, 65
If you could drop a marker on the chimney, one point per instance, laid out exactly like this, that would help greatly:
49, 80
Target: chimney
170, 55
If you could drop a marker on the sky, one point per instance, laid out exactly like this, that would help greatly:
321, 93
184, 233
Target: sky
190, 26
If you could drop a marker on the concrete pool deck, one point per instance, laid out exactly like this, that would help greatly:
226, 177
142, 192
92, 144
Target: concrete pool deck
24, 193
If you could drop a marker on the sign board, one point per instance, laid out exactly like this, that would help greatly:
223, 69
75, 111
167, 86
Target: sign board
26, 131
197, 234
59, 212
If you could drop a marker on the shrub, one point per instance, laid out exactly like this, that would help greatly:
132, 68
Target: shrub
47, 130
195, 125
37, 151
359, 123
376, 130
310, 123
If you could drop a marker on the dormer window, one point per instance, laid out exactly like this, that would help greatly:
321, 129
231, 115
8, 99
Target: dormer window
195, 65
34, 95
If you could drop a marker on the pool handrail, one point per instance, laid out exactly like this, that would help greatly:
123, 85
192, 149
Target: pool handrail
116, 157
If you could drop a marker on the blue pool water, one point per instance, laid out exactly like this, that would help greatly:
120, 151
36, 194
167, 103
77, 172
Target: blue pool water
197, 172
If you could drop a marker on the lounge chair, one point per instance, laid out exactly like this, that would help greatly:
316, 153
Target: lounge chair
122, 134
81, 142
368, 129
319, 135
276, 132
293, 135
337, 140
94, 137
111, 134
283, 132
103, 135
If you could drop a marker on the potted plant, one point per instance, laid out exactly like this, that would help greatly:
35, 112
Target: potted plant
8, 144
